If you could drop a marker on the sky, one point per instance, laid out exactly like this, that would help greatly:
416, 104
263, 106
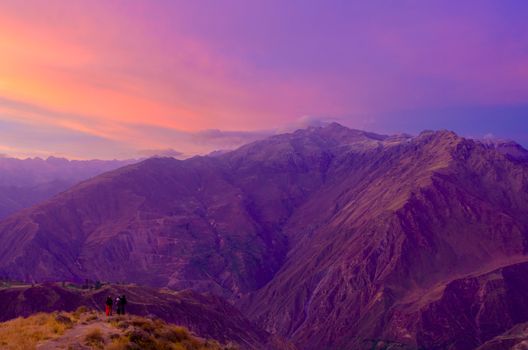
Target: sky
125, 79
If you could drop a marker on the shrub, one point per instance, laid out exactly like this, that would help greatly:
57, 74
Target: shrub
63, 319
144, 324
175, 334
121, 324
143, 340
119, 343
92, 318
80, 310
95, 338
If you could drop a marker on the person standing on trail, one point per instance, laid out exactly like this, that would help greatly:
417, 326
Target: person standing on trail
118, 305
108, 306
123, 302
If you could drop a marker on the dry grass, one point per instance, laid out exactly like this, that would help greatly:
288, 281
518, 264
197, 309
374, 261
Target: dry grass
121, 343
143, 333
95, 338
128, 333
92, 318
80, 310
25, 333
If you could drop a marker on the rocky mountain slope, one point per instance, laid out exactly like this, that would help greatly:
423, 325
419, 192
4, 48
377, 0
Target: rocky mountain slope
329, 236
514, 339
25, 182
423, 214
208, 223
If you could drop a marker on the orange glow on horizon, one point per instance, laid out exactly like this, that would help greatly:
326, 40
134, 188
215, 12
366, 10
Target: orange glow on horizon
46, 68
138, 75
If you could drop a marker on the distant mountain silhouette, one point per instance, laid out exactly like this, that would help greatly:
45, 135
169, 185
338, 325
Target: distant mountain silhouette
328, 236
26, 182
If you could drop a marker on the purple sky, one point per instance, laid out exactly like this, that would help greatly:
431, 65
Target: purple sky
119, 79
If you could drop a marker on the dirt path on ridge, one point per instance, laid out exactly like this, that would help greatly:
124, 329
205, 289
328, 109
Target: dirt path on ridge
75, 337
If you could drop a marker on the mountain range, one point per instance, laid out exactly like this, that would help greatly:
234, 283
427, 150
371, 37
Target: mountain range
331, 237
25, 182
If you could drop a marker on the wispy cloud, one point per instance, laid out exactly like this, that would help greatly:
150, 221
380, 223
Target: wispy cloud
32, 130
167, 152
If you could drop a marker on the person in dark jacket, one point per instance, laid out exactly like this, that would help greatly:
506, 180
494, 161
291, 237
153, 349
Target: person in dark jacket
108, 306
123, 302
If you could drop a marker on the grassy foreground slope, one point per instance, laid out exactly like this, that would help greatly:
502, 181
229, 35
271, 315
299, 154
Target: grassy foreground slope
85, 329
206, 315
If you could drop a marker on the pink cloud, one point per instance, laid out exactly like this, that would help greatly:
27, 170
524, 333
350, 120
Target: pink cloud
99, 67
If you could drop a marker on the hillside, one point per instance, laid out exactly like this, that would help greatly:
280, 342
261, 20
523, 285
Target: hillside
85, 329
26, 182
205, 315
328, 236
423, 214
515, 338
213, 224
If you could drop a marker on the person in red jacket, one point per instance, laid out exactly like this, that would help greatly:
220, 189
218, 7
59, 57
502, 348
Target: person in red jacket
108, 308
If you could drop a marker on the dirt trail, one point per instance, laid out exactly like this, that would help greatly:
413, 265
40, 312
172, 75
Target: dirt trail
75, 338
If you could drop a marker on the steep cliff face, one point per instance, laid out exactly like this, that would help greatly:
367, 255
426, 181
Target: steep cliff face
329, 236
426, 212
515, 338
462, 313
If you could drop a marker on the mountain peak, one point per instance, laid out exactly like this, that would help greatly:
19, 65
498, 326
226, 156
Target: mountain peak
442, 133
441, 139
335, 126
